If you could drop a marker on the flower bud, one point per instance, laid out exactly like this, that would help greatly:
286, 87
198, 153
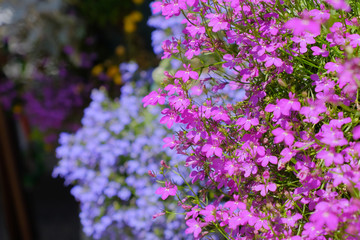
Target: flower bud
162, 162
151, 173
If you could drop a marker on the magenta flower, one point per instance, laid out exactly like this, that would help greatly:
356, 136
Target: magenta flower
299, 26
169, 142
312, 231
186, 74
276, 110
324, 216
340, 175
354, 40
194, 226
170, 117
287, 154
169, 47
154, 98
286, 105
334, 67
209, 213
283, 135
196, 90
231, 62
266, 159
356, 132
292, 219
230, 168
247, 123
321, 15
264, 188
218, 21
237, 204
330, 157
273, 60
169, 190
261, 223
332, 137
320, 51
339, 4
210, 149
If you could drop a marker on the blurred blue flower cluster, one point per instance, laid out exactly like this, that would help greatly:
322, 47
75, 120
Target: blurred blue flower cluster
107, 162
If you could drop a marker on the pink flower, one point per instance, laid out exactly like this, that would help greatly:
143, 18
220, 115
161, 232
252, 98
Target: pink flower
170, 117
186, 74
264, 188
283, 135
194, 226
276, 110
154, 97
334, 67
320, 51
169, 47
266, 159
231, 62
196, 90
247, 123
209, 213
299, 26
169, 190
332, 137
324, 215
237, 204
218, 21
354, 40
287, 154
339, 4
289, 104
169, 142
273, 60
356, 132
210, 149
261, 224
292, 219
322, 15
330, 157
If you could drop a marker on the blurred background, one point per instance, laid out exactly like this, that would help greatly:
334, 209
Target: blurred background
52, 54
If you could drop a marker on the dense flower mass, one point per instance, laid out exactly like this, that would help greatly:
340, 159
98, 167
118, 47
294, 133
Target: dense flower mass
109, 161
283, 163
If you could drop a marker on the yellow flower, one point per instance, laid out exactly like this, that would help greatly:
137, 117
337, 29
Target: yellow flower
96, 70
129, 26
138, 2
131, 20
117, 79
120, 50
136, 16
112, 71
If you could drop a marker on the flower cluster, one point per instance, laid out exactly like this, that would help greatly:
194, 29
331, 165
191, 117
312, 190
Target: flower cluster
284, 162
111, 163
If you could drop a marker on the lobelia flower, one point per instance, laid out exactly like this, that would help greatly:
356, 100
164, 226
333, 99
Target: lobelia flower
299, 26
324, 216
194, 226
264, 188
186, 74
320, 51
169, 190
356, 133
339, 4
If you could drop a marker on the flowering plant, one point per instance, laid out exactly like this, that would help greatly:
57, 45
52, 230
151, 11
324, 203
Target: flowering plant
108, 161
284, 162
